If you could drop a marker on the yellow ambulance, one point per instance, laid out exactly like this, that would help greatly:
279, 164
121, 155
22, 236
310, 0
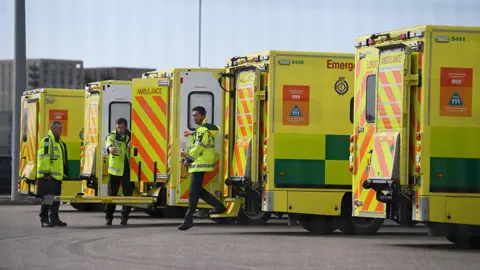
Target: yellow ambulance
414, 154
161, 126
39, 108
288, 121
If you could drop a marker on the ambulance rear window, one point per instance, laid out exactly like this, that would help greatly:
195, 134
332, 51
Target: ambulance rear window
119, 109
204, 99
371, 98
25, 125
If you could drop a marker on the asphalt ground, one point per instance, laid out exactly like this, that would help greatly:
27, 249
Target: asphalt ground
155, 243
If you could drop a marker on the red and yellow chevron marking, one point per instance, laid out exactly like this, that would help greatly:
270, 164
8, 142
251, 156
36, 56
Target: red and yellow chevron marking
86, 190
365, 138
226, 152
149, 133
389, 103
244, 123
208, 178
23, 146
91, 136
384, 150
32, 139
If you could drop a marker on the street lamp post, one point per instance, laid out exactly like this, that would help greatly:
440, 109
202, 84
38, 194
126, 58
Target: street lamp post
19, 85
199, 33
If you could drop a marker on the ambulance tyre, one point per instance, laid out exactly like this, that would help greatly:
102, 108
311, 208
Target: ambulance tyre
246, 218
356, 225
317, 224
464, 239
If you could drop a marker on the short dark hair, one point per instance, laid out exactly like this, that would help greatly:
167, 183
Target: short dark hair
121, 121
200, 109
55, 124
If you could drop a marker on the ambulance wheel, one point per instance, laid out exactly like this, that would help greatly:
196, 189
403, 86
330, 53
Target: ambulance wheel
248, 218
464, 239
357, 225
317, 224
348, 224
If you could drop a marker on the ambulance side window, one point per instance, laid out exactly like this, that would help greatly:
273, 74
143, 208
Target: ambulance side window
119, 109
371, 98
25, 125
204, 99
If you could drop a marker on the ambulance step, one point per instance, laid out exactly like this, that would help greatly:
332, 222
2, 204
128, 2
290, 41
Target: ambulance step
130, 200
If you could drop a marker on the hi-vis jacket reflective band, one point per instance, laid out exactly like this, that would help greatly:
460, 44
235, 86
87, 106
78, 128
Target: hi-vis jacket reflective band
201, 152
51, 155
116, 161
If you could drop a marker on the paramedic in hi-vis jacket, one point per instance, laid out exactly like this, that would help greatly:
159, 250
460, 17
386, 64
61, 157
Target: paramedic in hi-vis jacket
200, 158
51, 170
118, 148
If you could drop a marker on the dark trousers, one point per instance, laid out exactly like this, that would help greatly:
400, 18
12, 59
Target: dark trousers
49, 187
196, 192
113, 186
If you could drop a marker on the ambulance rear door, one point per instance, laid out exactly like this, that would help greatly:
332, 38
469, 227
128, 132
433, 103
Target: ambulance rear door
116, 103
29, 142
149, 130
200, 88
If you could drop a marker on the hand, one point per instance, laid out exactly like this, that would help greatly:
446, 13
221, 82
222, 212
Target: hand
185, 163
112, 149
129, 145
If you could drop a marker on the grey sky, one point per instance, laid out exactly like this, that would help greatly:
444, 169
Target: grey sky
162, 34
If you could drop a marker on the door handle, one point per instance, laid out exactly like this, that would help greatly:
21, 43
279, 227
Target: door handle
135, 152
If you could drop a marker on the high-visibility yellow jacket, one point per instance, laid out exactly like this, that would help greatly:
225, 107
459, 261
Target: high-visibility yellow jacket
118, 160
201, 152
52, 158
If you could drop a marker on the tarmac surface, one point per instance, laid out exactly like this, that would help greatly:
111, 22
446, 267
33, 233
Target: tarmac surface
155, 243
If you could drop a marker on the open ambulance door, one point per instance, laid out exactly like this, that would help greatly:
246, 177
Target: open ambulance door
389, 167
199, 88
148, 161
244, 174
28, 148
91, 138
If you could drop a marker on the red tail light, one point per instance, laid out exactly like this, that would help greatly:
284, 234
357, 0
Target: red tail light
350, 168
419, 136
351, 139
417, 168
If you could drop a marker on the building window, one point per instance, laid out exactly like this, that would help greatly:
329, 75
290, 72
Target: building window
371, 98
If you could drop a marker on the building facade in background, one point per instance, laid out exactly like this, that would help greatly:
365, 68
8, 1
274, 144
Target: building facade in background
115, 73
41, 73
52, 73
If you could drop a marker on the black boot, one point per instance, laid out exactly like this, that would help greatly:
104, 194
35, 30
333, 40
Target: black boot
187, 224
54, 219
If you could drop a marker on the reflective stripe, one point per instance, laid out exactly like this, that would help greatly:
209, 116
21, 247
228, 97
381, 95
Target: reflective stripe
114, 169
202, 166
44, 172
55, 174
